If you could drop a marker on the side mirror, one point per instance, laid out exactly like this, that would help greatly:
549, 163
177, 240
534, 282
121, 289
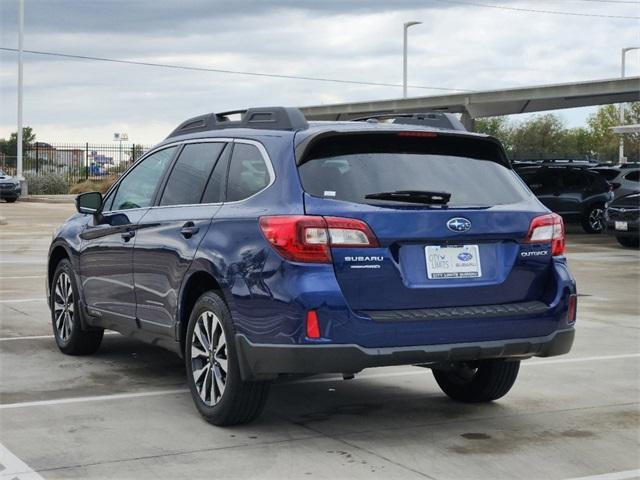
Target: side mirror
90, 202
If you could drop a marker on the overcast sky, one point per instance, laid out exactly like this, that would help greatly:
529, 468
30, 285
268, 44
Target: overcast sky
457, 46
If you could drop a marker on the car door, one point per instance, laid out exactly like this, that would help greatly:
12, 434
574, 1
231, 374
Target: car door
170, 233
574, 189
545, 184
106, 268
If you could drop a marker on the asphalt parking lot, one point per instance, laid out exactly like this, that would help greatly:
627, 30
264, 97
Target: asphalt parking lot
125, 412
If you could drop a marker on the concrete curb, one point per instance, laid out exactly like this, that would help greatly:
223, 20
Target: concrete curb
48, 198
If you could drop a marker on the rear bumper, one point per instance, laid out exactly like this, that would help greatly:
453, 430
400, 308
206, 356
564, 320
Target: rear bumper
264, 361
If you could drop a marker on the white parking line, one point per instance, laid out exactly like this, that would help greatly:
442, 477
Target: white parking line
38, 337
626, 475
97, 398
22, 276
524, 364
118, 396
30, 337
24, 300
14, 468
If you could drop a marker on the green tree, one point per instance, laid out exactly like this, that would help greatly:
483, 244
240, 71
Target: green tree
542, 136
604, 142
497, 127
10, 146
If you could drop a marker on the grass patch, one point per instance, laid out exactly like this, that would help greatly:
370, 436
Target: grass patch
93, 185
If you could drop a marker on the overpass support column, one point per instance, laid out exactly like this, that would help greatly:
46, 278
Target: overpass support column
468, 122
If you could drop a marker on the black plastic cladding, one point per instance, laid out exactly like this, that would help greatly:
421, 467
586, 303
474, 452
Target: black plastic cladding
266, 118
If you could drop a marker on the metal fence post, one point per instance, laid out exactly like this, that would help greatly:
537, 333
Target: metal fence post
37, 160
86, 161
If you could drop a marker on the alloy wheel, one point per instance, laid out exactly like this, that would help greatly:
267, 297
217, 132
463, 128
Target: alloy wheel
63, 307
209, 359
596, 219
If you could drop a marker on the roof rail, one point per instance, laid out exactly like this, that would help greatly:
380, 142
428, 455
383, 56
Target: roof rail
440, 120
264, 118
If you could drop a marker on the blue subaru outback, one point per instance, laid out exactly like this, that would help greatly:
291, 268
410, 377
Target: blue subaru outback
270, 245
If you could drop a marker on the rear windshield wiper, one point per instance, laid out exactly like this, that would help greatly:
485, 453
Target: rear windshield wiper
412, 196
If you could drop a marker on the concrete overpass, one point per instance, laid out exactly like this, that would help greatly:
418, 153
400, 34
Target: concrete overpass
492, 103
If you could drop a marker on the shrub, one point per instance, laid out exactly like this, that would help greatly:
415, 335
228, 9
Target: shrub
47, 184
93, 185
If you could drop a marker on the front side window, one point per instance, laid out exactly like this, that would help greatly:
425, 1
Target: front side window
190, 173
137, 188
248, 173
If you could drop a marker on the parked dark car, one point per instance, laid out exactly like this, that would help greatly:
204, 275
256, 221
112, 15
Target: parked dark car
573, 191
272, 245
622, 217
9, 188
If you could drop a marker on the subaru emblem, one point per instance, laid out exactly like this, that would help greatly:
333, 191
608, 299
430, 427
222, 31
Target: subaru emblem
458, 224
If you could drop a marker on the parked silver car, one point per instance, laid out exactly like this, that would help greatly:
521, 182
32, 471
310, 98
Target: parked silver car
625, 178
9, 188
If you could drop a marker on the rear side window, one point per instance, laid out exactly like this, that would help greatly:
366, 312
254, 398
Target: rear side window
633, 176
394, 164
214, 193
248, 173
190, 173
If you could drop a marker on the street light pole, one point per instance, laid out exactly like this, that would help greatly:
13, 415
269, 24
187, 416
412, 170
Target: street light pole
621, 111
404, 57
19, 175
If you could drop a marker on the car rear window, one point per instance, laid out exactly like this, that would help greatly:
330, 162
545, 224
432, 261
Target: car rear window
472, 180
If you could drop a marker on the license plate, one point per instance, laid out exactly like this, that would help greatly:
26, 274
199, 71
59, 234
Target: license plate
453, 262
621, 226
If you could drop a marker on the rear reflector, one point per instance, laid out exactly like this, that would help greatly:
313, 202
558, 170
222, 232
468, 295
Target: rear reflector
548, 229
308, 238
313, 329
571, 312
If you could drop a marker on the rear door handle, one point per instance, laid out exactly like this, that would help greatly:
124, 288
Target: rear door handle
189, 229
128, 235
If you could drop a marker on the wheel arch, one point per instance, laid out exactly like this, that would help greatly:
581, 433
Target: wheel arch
57, 254
198, 282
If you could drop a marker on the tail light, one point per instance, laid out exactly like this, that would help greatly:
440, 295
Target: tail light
548, 229
571, 312
307, 238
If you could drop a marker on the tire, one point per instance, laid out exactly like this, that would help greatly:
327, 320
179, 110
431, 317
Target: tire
71, 338
221, 397
593, 220
10, 200
477, 382
629, 242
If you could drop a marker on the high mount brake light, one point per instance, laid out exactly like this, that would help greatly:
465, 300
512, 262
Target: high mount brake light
308, 238
417, 134
548, 229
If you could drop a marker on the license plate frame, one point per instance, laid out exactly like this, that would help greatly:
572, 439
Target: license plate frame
453, 262
621, 226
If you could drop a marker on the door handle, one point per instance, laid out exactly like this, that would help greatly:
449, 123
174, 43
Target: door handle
128, 235
189, 229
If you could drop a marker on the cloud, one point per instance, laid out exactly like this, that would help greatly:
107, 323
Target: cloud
455, 47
